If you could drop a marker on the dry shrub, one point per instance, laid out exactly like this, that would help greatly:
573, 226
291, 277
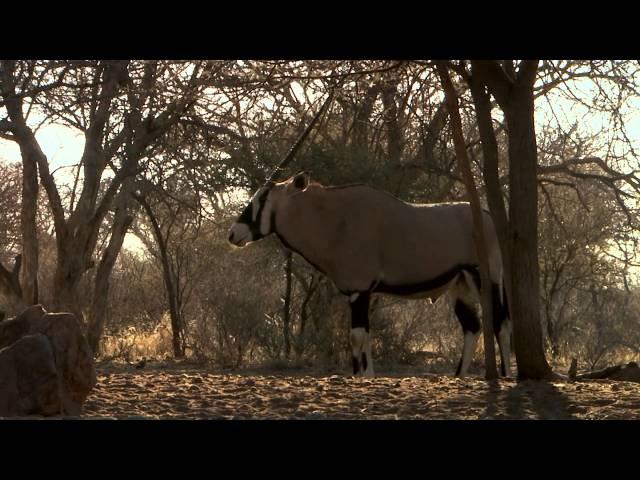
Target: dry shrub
416, 333
131, 343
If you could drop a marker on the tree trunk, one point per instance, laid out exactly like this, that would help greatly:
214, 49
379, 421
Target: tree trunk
67, 276
478, 227
395, 139
97, 314
29, 151
360, 132
551, 332
105, 135
170, 287
29, 209
304, 314
515, 97
490, 173
523, 234
174, 312
308, 289
491, 176
286, 317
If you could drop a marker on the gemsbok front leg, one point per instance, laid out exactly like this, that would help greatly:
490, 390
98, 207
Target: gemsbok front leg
466, 296
360, 335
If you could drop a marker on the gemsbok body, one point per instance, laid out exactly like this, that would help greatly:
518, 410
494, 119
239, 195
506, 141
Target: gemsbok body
367, 241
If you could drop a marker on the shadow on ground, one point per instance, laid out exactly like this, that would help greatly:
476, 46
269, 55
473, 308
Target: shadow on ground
528, 399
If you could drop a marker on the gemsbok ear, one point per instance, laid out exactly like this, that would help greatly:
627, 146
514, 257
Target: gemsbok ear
301, 180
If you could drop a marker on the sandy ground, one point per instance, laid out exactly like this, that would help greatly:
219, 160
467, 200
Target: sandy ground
157, 392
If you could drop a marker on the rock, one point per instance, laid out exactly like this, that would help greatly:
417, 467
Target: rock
15, 328
73, 359
628, 373
28, 378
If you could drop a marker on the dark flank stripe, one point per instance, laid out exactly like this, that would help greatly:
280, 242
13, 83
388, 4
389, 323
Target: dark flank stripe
428, 285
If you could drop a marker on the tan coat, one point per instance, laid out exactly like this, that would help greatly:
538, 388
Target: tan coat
359, 236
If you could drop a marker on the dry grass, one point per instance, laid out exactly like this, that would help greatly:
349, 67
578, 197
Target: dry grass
135, 344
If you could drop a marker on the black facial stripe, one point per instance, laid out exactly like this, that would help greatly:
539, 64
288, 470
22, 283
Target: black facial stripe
247, 215
262, 200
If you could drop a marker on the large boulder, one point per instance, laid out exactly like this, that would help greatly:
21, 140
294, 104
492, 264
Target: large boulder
28, 378
73, 360
15, 328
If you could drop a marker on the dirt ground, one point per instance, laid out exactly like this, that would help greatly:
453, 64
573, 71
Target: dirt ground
175, 392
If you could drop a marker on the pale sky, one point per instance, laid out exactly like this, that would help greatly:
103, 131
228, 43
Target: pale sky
63, 146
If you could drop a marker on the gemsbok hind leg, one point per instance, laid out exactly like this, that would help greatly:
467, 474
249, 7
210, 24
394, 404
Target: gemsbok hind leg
465, 308
360, 336
502, 329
